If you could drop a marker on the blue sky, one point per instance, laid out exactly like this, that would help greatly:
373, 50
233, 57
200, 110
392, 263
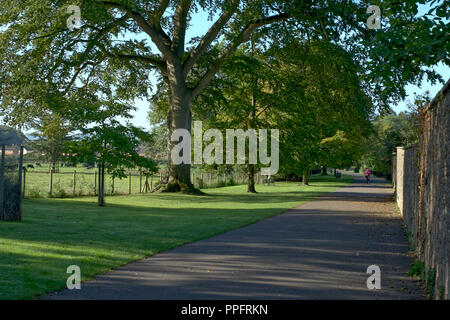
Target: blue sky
199, 26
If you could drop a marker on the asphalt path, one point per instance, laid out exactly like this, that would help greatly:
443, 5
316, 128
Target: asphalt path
318, 250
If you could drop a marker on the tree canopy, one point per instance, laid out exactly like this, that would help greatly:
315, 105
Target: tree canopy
120, 43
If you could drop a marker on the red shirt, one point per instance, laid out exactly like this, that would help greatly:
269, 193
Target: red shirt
367, 172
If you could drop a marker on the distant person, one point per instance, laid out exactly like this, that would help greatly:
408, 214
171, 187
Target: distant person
367, 174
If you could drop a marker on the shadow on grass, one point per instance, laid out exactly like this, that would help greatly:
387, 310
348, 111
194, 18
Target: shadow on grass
56, 233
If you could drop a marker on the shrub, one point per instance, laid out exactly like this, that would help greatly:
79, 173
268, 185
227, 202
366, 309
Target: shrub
417, 269
33, 193
431, 281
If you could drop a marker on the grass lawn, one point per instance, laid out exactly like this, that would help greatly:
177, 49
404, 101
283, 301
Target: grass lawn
56, 233
37, 182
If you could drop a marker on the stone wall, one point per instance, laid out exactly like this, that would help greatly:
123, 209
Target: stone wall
407, 181
433, 234
421, 180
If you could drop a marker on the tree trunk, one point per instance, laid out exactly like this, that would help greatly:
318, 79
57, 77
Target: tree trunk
54, 166
179, 117
251, 179
305, 181
324, 171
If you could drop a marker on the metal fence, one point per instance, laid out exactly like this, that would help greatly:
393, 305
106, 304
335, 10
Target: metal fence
37, 184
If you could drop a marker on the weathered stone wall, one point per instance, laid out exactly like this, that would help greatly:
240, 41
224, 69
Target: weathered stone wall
394, 170
407, 181
423, 192
433, 234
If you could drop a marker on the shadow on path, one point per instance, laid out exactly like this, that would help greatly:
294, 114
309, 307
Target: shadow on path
318, 250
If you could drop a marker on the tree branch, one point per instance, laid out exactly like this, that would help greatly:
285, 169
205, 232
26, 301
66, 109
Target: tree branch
160, 39
157, 63
102, 32
180, 24
244, 36
262, 111
153, 60
364, 31
74, 77
209, 37
158, 12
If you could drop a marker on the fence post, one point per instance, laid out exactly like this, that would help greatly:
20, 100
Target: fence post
151, 182
140, 181
146, 184
129, 184
2, 181
74, 180
51, 182
112, 186
24, 183
20, 177
95, 183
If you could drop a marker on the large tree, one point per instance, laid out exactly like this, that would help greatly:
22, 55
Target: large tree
322, 110
103, 140
51, 135
240, 97
41, 56
391, 131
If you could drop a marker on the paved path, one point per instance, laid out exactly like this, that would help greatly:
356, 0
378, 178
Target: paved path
318, 250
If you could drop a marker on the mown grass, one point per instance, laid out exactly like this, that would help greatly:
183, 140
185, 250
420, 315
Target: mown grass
37, 182
56, 233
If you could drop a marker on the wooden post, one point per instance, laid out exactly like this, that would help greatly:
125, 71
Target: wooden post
74, 183
2, 181
129, 184
24, 183
51, 182
19, 206
101, 185
112, 186
140, 181
151, 182
95, 182
146, 187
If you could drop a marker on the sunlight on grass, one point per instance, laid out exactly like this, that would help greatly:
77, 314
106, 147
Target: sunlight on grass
56, 233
